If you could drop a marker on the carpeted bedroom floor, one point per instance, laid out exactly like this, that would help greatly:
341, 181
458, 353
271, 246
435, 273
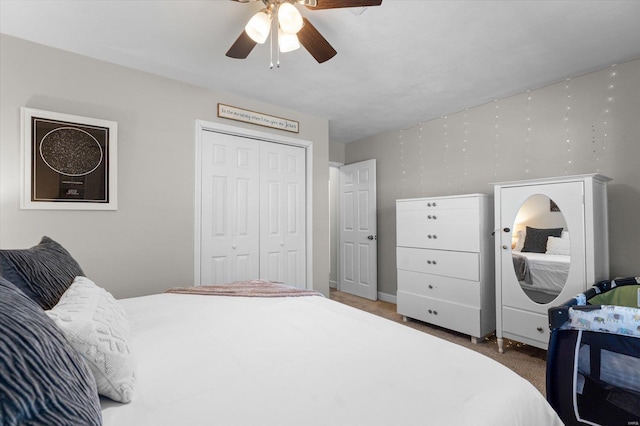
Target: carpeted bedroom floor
527, 361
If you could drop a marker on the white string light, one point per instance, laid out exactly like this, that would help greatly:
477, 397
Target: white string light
402, 171
527, 150
606, 114
421, 152
465, 154
567, 133
496, 143
445, 142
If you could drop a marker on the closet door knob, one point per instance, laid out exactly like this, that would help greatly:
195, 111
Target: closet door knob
507, 230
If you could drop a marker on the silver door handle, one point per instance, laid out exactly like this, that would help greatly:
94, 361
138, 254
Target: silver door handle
372, 237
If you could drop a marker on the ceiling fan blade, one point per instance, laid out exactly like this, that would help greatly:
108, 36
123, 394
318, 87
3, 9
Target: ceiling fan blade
335, 4
313, 41
242, 47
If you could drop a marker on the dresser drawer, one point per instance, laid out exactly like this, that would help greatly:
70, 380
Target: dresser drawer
526, 324
456, 264
439, 203
444, 288
450, 230
465, 319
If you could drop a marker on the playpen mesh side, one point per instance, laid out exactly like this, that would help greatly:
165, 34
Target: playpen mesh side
585, 398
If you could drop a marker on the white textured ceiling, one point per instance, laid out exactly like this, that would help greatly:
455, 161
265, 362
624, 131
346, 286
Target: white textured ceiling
398, 64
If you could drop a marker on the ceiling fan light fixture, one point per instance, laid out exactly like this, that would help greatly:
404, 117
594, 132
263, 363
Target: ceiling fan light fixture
289, 18
287, 42
259, 26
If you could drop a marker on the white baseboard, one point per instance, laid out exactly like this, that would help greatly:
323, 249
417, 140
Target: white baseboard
333, 284
386, 297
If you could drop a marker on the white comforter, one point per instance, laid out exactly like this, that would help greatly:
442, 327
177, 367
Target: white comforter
548, 271
216, 360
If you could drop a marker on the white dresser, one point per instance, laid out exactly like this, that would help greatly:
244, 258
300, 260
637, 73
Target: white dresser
578, 206
445, 262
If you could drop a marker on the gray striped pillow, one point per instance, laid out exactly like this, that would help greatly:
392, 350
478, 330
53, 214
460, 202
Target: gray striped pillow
43, 380
43, 272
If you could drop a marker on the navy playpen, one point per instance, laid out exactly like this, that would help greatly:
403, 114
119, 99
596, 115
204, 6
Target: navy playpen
593, 361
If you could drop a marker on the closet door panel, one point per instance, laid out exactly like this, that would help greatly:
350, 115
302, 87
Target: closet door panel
229, 208
282, 214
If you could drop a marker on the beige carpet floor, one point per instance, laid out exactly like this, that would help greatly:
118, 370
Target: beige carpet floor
527, 361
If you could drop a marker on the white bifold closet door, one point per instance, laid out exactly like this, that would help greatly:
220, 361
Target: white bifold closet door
253, 211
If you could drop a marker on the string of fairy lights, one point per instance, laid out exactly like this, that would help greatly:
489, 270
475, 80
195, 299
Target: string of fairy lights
606, 113
465, 153
496, 143
421, 152
568, 164
527, 142
445, 142
456, 161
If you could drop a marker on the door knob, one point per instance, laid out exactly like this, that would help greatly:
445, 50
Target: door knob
507, 230
372, 237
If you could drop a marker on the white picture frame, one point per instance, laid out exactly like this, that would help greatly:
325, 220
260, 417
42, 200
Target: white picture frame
68, 162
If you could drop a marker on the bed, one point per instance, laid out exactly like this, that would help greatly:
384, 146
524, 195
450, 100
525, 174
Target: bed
541, 261
542, 272
228, 359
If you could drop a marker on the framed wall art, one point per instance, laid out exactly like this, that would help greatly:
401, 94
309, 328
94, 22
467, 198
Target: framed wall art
69, 162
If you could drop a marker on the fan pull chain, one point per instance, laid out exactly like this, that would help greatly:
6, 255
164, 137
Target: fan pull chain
277, 48
271, 49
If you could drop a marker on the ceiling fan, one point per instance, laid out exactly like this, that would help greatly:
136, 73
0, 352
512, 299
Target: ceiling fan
293, 29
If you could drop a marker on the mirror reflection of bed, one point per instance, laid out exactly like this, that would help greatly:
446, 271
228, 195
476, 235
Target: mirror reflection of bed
541, 249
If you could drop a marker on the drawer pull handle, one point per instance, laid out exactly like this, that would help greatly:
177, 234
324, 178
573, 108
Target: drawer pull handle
435, 312
431, 204
434, 217
431, 262
539, 329
434, 236
428, 262
430, 286
430, 311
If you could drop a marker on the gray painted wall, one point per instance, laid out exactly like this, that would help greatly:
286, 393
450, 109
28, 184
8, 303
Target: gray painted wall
147, 245
586, 124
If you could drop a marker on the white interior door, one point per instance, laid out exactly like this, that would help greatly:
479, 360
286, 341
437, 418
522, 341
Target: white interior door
282, 214
358, 265
230, 208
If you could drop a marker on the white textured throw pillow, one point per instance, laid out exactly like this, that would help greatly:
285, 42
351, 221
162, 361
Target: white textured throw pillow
98, 329
559, 246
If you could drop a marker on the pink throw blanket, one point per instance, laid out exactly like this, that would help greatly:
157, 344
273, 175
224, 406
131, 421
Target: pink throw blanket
252, 288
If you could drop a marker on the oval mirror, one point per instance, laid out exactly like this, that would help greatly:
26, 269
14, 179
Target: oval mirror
541, 248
